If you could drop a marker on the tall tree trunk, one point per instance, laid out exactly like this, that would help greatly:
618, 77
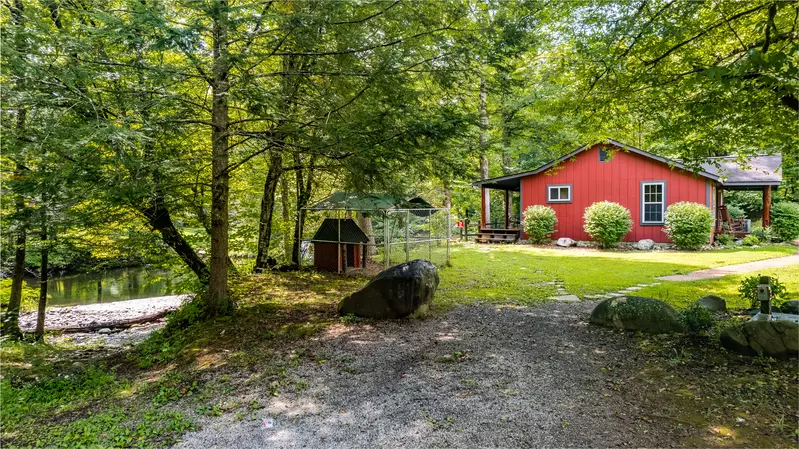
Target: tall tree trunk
303, 196
365, 223
11, 322
42, 306
10, 325
506, 157
205, 221
267, 209
217, 285
285, 205
483, 143
447, 194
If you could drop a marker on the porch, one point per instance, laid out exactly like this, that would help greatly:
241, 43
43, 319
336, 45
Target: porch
505, 228
761, 173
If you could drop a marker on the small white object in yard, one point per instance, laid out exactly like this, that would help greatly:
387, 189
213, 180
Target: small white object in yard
565, 241
269, 423
104, 331
740, 419
645, 245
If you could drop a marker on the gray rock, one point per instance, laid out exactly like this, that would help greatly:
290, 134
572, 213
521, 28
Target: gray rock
105, 331
779, 339
713, 303
637, 314
394, 293
645, 245
791, 307
565, 241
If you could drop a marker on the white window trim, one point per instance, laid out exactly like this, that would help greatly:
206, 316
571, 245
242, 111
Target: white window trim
558, 186
644, 202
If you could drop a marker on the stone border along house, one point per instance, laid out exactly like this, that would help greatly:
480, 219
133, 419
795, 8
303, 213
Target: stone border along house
642, 182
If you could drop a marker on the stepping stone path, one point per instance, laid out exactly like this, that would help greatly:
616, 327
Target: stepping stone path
562, 295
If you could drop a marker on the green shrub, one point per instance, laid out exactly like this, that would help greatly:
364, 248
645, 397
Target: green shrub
696, 319
724, 239
748, 290
688, 225
763, 234
751, 240
538, 222
607, 223
785, 221
736, 212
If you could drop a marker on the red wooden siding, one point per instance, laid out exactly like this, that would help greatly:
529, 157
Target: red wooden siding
326, 256
618, 180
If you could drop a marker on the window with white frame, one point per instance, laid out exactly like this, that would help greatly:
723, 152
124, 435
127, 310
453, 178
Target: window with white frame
561, 193
653, 202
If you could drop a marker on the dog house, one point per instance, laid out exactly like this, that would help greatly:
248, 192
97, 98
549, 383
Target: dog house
338, 245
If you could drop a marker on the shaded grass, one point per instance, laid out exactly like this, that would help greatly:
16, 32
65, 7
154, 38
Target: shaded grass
683, 294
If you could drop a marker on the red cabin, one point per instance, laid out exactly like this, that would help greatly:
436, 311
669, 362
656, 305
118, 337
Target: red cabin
642, 182
338, 245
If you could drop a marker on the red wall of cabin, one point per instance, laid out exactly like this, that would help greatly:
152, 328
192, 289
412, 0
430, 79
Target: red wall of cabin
618, 180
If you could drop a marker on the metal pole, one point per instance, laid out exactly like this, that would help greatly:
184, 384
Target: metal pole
386, 244
338, 245
449, 234
407, 235
430, 235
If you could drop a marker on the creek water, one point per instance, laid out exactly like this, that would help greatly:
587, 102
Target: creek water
118, 284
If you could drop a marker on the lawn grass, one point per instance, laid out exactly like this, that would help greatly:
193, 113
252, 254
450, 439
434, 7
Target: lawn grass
684, 294
60, 395
522, 274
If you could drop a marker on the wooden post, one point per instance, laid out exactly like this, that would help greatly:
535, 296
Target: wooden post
485, 208
719, 203
507, 209
766, 206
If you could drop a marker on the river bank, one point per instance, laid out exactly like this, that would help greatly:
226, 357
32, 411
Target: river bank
90, 315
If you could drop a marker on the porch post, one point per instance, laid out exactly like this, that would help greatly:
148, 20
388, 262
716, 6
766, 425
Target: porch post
485, 208
507, 209
766, 206
719, 202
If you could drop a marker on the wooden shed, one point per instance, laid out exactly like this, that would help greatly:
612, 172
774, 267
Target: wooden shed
339, 245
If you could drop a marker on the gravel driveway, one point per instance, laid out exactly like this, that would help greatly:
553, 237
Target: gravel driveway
476, 377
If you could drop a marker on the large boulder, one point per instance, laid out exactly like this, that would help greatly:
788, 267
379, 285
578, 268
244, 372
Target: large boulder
565, 242
645, 245
636, 313
777, 339
394, 293
713, 303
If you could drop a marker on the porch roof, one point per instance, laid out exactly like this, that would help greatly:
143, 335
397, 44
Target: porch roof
759, 171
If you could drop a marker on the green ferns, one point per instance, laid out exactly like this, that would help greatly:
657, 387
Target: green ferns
688, 225
607, 223
538, 222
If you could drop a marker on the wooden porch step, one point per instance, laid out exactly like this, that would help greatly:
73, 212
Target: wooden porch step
492, 237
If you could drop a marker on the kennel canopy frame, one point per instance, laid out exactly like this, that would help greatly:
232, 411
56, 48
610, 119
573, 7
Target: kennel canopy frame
384, 205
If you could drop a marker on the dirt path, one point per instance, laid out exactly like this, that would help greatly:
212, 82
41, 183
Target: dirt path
476, 377
718, 272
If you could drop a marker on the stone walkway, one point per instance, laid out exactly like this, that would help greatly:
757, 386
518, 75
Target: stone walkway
712, 273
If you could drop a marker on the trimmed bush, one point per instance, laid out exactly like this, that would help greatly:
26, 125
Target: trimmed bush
736, 212
785, 221
538, 222
688, 224
763, 234
607, 223
750, 240
724, 239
